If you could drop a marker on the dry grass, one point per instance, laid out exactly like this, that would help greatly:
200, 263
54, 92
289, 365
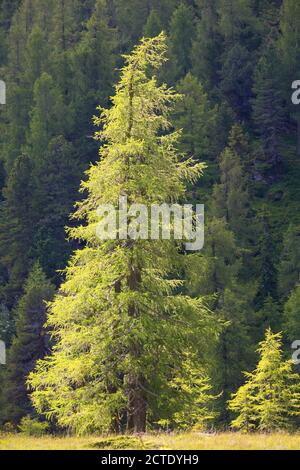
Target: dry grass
188, 441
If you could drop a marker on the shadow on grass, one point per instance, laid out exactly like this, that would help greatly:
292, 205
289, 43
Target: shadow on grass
123, 443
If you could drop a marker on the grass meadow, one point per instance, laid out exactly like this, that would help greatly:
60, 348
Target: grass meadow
180, 441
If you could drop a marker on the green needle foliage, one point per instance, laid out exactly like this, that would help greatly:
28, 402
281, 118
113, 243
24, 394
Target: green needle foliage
193, 400
270, 397
120, 324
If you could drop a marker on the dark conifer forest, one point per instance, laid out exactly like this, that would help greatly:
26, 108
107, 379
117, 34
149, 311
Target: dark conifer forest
165, 101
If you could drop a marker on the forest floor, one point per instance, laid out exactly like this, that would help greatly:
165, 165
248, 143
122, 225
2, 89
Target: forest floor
183, 441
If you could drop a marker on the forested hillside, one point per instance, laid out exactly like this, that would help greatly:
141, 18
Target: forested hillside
233, 62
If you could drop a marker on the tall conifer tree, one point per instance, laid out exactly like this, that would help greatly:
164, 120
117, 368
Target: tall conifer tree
116, 319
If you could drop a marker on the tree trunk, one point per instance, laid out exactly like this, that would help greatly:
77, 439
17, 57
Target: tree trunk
137, 402
137, 406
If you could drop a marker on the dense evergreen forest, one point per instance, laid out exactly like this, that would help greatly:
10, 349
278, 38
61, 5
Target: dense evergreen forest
146, 336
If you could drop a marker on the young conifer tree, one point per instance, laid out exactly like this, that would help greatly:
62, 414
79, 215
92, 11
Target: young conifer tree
120, 325
271, 396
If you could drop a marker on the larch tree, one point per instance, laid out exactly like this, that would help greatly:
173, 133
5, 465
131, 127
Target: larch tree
119, 323
270, 397
243, 403
193, 399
